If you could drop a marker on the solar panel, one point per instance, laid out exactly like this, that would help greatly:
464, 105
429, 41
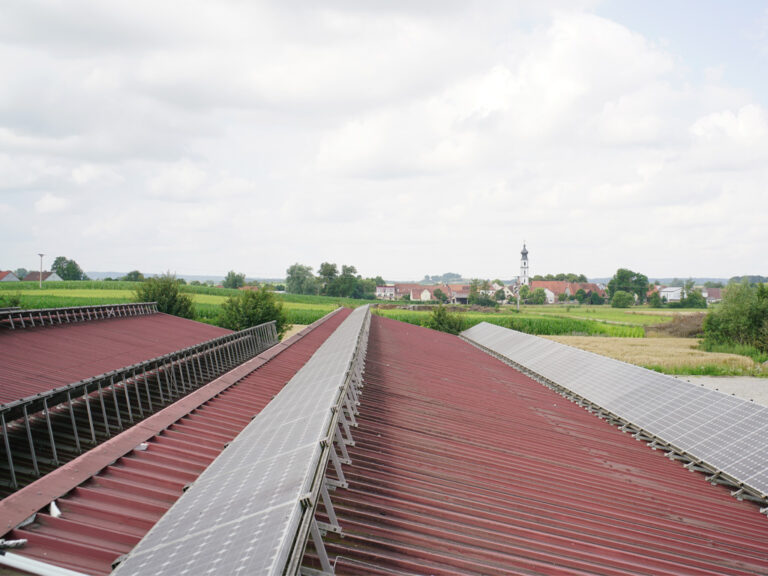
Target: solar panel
243, 513
728, 433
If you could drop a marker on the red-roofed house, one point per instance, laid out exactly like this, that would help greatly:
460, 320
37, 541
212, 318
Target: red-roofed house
47, 277
8, 276
712, 294
553, 288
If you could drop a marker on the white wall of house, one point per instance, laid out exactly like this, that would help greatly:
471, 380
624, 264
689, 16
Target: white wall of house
671, 293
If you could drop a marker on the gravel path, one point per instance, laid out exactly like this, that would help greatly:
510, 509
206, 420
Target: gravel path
746, 387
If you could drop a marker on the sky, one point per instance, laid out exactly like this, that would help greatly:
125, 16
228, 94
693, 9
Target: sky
404, 138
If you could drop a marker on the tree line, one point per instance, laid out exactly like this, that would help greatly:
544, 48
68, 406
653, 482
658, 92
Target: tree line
330, 281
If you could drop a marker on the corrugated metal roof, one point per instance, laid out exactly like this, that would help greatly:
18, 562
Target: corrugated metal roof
39, 359
463, 465
113, 506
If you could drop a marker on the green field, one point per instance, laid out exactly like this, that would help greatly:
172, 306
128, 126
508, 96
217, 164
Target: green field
207, 299
525, 321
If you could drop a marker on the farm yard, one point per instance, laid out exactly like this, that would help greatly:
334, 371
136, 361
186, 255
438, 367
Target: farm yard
643, 336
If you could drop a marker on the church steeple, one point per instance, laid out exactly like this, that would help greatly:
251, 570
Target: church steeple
524, 267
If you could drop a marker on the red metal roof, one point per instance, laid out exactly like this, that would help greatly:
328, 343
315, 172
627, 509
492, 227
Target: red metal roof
39, 359
115, 500
463, 465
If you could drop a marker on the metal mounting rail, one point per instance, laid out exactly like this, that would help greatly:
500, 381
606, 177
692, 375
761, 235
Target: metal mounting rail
253, 510
722, 436
14, 319
41, 432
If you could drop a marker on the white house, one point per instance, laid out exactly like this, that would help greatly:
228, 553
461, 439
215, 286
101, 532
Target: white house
671, 294
385, 292
8, 276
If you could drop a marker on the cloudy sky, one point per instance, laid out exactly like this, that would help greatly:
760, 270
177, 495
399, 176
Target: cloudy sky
406, 138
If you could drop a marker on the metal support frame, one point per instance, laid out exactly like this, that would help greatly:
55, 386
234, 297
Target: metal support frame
122, 398
18, 318
335, 449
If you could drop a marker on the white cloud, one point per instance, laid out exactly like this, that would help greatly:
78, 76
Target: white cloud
50, 204
394, 136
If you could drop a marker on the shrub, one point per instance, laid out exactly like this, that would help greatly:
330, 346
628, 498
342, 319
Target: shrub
444, 320
741, 318
165, 291
622, 299
251, 308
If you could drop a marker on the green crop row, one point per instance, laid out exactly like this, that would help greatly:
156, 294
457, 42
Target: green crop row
541, 326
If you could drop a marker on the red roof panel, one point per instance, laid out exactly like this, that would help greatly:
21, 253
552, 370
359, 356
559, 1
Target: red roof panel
39, 359
462, 465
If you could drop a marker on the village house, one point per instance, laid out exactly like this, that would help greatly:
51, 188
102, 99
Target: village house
8, 276
47, 277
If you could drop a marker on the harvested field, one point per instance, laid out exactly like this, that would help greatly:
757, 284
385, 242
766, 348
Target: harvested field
668, 355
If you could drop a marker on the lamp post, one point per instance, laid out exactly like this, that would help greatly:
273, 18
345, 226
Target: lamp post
41, 271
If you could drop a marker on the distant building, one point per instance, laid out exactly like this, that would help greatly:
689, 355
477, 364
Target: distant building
8, 276
553, 289
712, 295
524, 280
47, 277
671, 293
385, 292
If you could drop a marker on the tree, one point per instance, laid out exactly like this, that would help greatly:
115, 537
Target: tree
499, 295
580, 295
253, 307
444, 320
67, 269
626, 280
622, 299
20, 273
300, 280
165, 291
655, 300
596, 299
234, 280
327, 274
525, 292
741, 317
440, 296
346, 284
133, 276
539, 296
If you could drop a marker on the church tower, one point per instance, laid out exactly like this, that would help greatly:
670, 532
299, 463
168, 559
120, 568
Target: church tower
524, 280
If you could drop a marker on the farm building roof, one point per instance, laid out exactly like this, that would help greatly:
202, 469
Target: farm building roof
40, 358
35, 277
7, 275
114, 494
460, 465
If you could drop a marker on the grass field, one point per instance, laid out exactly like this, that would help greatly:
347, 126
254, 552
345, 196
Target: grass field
667, 355
528, 322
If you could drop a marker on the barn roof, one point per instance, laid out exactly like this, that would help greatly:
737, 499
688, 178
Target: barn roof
462, 465
113, 495
40, 358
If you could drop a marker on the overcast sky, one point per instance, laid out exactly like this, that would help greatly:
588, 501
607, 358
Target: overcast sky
403, 137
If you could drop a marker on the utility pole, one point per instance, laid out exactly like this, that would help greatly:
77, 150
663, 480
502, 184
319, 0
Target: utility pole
41, 271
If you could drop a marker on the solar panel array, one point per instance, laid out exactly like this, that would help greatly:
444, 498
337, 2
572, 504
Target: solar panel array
244, 513
728, 434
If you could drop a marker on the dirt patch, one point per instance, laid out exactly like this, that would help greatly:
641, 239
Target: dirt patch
681, 326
